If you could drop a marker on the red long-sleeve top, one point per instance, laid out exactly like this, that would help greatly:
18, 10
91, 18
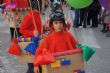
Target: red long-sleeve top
27, 27
57, 42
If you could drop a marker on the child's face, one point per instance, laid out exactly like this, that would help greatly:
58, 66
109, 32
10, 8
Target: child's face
58, 26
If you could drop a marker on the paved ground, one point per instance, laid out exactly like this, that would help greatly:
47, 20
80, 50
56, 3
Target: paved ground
99, 63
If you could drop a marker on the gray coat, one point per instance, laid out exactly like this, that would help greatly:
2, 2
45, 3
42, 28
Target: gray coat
107, 17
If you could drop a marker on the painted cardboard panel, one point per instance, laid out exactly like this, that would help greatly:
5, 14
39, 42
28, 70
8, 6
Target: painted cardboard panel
25, 58
76, 64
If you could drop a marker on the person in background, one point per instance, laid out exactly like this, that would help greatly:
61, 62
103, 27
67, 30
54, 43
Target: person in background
57, 8
102, 18
101, 15
14, 24
93, 13
1, 2
106, 21
83, 17
58, 40
76, 19
38, 4
57, 1
51, 4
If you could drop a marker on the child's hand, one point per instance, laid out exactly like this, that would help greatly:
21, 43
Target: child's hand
36, 33
36, 70
27, 53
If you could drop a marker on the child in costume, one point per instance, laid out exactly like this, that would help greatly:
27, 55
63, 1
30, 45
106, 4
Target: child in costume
58, 40
31, 26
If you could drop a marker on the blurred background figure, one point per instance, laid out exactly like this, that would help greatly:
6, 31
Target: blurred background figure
83, 17
14, 24
106, 22
1, 1
51, 4
93, 13
57, 8
76, 19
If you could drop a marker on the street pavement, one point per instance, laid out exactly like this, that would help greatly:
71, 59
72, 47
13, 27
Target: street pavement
99, 63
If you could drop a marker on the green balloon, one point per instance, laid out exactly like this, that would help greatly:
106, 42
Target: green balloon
78, 4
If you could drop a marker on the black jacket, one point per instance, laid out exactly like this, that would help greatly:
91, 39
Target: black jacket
95, 6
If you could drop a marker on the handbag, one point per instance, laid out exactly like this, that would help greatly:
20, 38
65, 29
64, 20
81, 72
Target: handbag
44, 58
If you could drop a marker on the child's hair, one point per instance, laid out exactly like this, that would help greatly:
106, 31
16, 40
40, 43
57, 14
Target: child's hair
57, 16
52, 20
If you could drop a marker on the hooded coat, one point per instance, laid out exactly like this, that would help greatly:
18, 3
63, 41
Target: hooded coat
28, 26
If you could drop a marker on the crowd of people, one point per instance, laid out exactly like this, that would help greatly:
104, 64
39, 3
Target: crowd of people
87, 16
92, 16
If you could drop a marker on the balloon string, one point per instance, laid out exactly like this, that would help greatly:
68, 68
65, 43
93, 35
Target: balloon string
33, 15
74, 27
72, 22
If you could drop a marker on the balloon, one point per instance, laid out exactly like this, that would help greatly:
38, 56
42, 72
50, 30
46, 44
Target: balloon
77, 4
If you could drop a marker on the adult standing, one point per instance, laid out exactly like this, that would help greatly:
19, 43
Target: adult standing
83, 17
93, 13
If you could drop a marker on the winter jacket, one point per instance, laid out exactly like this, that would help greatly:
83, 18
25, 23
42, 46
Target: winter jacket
95, 6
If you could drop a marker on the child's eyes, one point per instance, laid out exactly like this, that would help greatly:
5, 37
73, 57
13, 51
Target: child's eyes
58, 22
